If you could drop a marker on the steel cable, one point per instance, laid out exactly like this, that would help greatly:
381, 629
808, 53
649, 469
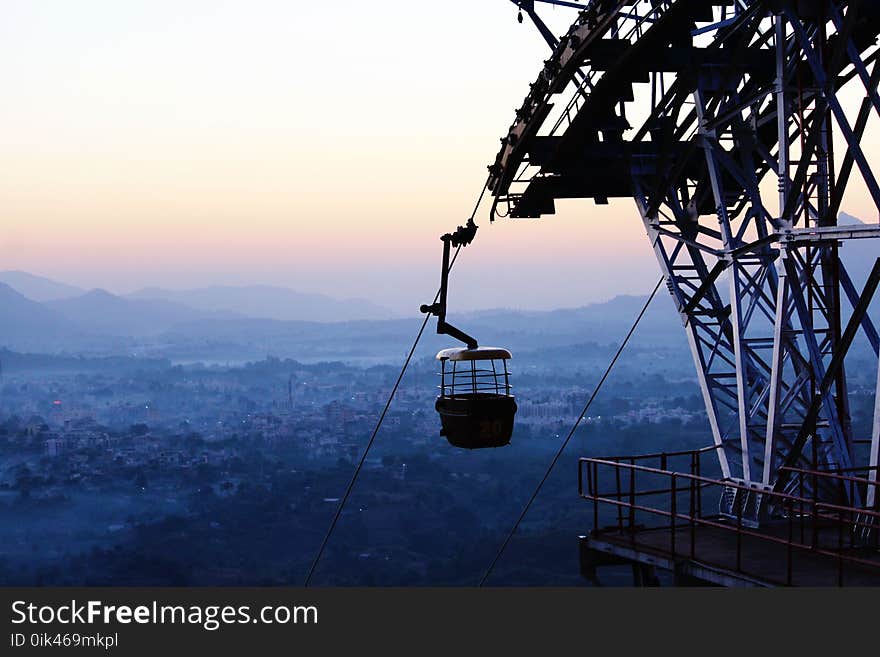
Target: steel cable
570, 434
372, 439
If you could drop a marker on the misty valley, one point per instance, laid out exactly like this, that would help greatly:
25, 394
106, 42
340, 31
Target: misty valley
213, 450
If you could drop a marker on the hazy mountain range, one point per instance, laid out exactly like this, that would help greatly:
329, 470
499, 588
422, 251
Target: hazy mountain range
241, 323
98, 322
157, 308
42, 314
38, 288
267, 302
262, 301
98, 311
24, 319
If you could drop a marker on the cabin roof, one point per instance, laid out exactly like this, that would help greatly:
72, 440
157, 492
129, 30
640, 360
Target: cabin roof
480, 353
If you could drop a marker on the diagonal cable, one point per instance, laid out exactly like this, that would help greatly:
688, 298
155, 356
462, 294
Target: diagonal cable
372, 439
570, 434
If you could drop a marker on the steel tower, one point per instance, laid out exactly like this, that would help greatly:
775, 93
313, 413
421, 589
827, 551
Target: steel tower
724, 122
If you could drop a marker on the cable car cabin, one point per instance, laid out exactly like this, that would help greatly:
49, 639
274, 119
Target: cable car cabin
475, 405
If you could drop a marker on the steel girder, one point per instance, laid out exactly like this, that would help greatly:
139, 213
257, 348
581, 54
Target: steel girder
718, 118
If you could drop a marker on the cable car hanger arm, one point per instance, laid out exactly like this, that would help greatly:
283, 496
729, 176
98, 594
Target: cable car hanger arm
462, 236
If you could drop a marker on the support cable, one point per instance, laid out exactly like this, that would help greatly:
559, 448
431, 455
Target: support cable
372, 439
570, 434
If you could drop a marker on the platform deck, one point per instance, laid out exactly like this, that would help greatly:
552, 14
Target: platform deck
709, 555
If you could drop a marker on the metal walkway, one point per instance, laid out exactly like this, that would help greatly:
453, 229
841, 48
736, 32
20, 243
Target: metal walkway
651, 517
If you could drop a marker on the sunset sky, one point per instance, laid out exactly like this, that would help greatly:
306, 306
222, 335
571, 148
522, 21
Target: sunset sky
322, 146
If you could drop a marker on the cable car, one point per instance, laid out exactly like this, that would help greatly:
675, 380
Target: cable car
475, 405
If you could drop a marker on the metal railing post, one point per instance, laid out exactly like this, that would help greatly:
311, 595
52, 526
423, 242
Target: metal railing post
789, 547
619, 494
840, 549
594, 490
739, 520
632, 503
693, 510
672, 516
801, 504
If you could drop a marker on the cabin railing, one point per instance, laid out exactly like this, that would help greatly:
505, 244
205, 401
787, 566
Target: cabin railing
629, 497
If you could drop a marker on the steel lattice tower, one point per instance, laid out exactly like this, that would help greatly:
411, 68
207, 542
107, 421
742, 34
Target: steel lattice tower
720, 119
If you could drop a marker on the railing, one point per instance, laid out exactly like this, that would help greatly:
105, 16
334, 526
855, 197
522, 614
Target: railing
472, 380
799, 524
843, 478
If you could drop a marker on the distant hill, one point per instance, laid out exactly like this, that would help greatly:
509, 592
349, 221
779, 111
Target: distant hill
223, 323
24, 322
268, 302
603, 322
386, 341
100, 312
38, 288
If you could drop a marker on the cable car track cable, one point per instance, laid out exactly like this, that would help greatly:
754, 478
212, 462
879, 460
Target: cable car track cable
570, 434
375, 432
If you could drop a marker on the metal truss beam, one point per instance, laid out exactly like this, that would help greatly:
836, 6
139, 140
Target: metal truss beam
758, 286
